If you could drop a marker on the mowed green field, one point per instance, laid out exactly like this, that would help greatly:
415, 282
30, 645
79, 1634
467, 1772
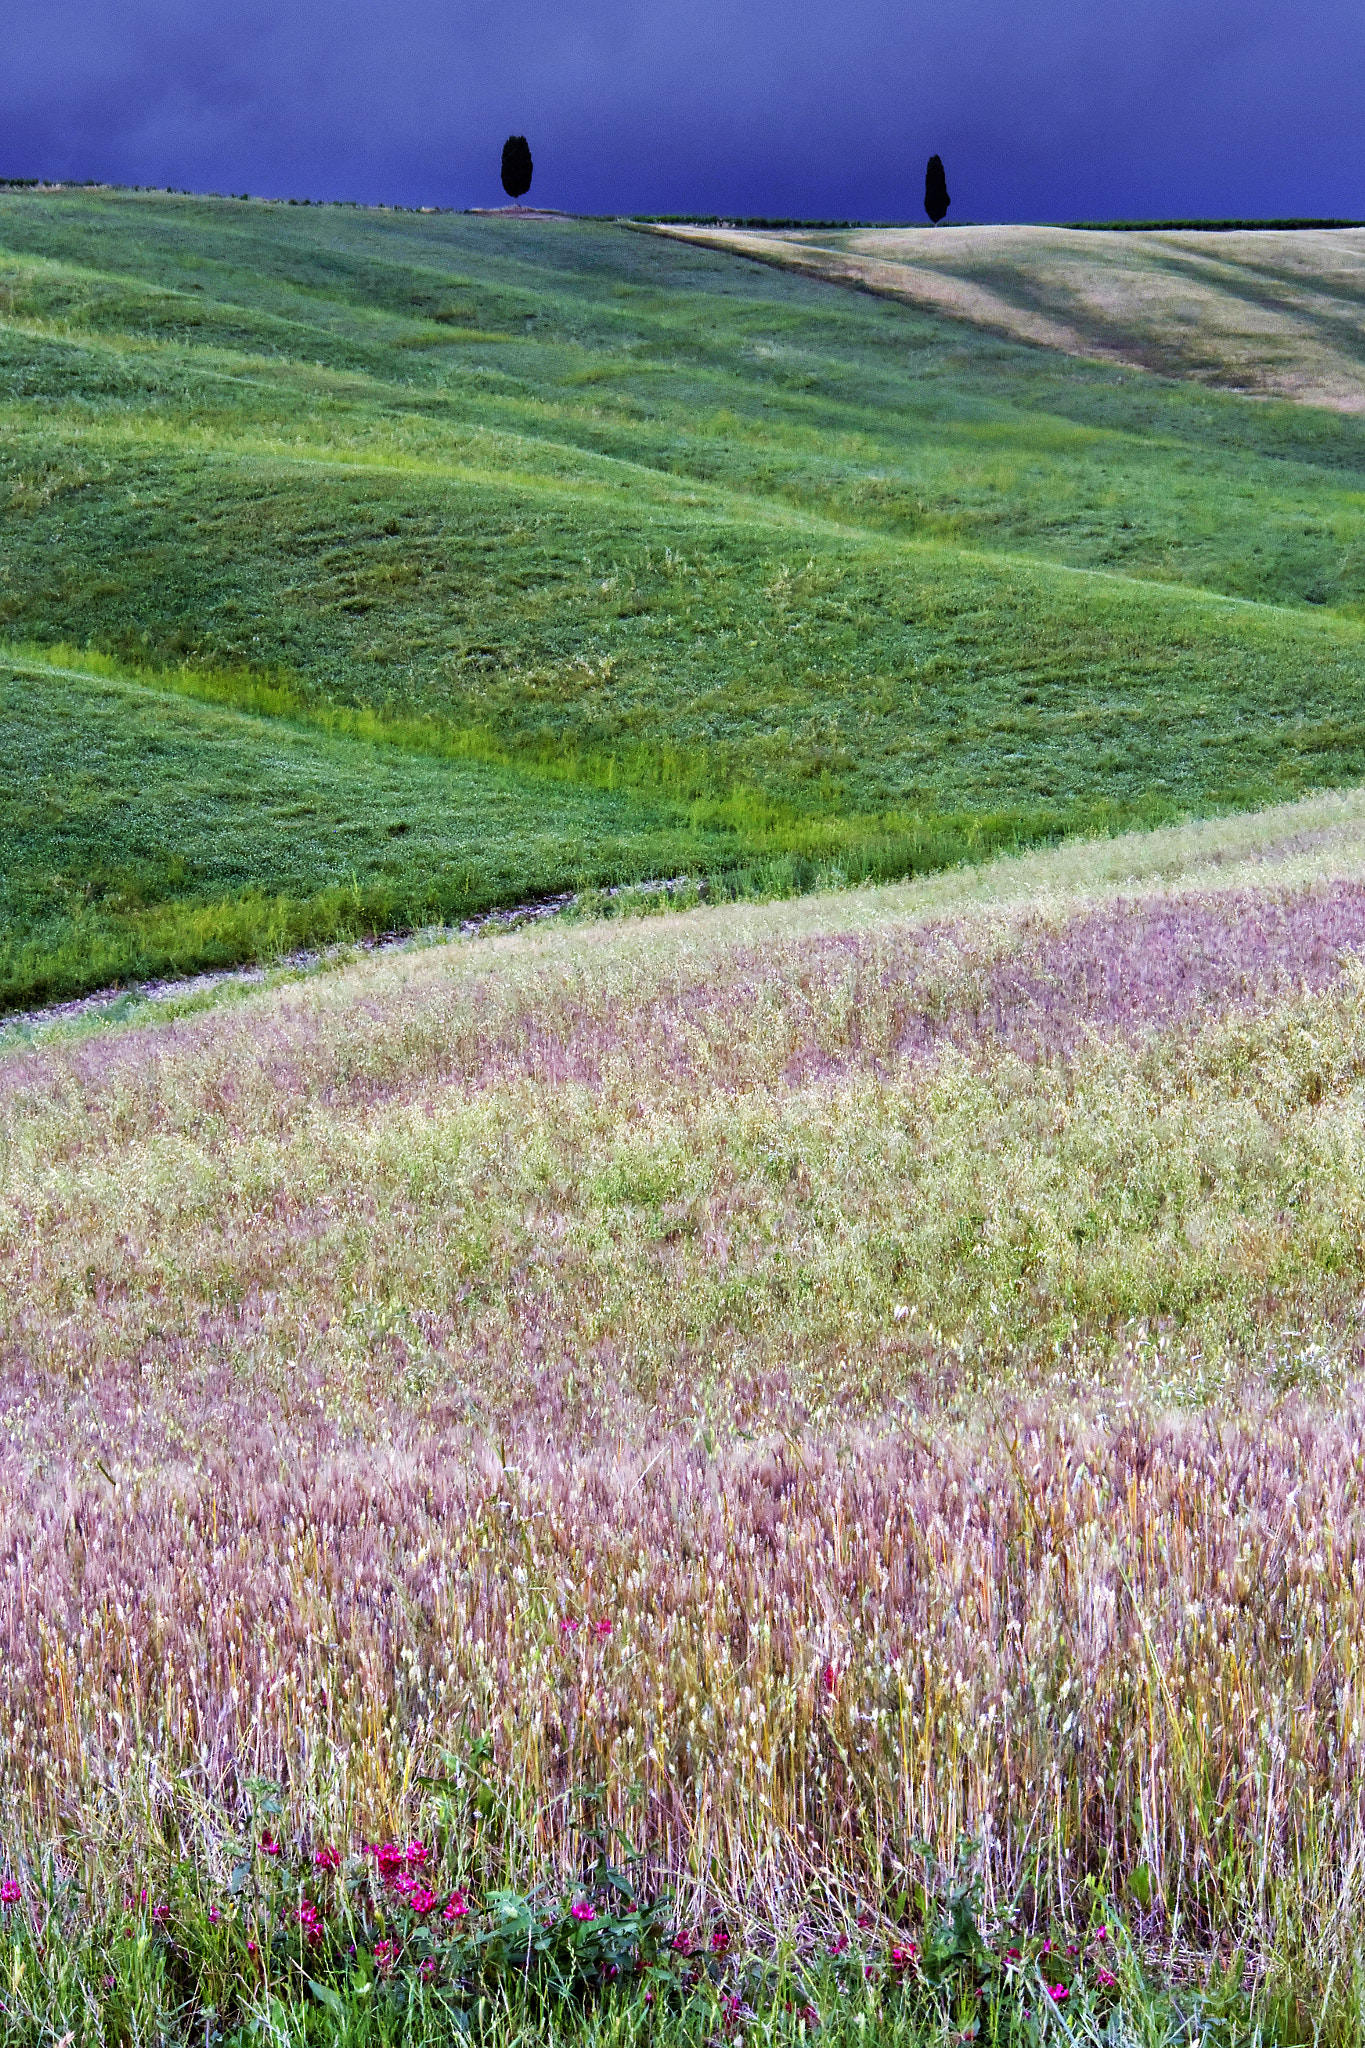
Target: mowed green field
361, 570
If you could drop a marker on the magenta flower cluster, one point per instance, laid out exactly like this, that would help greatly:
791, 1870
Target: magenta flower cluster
1066, 1973
607, 1938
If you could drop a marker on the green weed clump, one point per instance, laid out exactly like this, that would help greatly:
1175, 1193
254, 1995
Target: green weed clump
398, 1943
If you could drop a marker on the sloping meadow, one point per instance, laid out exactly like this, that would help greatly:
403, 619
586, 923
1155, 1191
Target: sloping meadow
365, 570
842, 1375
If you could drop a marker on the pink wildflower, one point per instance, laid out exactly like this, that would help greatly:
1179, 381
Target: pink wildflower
310, 1920
1105, 1979
683, 1943
581, 1910
421, 1900
327, 1858
1058, 1993
386, 1954
810, 2015
831, 1679
11, 1891
457, 1905
720, 1941
389, 1857
604, 1627
838, 1945
215, 1915
416, 1854
428, 1969
568, 1627
269, 1846
903, 1954
160, 1915
864, 1921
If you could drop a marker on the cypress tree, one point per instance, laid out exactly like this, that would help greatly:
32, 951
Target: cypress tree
936, 200
516, 166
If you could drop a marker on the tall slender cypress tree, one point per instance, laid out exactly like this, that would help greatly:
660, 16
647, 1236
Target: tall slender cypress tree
516, 166
936, 200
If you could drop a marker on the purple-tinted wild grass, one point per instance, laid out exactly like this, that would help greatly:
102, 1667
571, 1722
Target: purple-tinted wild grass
857, 1387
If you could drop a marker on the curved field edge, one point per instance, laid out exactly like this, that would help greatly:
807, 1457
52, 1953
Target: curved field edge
1268, 312
136, 915
1293, 843
154, 840
145, 842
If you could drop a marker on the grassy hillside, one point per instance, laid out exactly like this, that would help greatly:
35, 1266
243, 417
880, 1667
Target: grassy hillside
209, 834
586, 554
844, 1398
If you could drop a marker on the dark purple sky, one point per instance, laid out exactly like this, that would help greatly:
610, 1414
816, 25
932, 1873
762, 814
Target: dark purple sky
1051, 110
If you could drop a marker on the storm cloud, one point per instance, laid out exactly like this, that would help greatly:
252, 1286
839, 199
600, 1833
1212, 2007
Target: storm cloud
1055, 110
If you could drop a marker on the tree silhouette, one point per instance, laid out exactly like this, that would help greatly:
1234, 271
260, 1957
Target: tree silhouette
936, 200
516, 166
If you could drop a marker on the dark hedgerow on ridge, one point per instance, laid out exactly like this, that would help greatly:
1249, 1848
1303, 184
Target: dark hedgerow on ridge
936, 200
516, 166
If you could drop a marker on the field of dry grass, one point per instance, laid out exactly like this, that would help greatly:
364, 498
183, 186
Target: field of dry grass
864, 1371
1278, 313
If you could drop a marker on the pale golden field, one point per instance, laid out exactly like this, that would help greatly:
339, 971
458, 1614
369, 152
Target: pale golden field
873, 1368
1278, 313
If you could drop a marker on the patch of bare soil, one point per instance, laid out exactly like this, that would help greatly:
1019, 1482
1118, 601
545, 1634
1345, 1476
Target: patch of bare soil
1273, 312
